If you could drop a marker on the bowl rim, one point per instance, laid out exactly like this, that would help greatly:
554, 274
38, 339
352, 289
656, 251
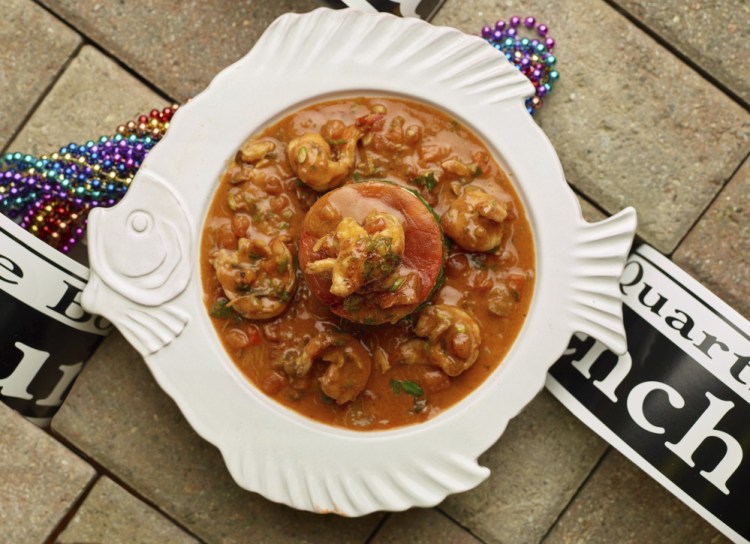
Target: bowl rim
162, 313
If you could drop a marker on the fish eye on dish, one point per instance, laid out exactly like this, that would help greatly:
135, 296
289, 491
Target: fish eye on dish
366, 262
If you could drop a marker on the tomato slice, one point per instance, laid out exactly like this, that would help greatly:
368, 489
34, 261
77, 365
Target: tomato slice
421, 263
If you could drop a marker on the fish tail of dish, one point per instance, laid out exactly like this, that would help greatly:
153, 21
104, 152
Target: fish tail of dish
598, 261
150, 329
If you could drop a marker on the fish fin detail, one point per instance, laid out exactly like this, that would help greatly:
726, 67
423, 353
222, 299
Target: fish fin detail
150, 329
597, 263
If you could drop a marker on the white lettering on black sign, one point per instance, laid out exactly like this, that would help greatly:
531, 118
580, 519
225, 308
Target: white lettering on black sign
45, 335
679, 399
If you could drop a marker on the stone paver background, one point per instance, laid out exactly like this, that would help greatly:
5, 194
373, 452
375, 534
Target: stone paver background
110, 514
651, 111
29, 61
40, 480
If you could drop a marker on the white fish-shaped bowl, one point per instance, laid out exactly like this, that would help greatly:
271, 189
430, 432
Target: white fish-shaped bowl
145, 273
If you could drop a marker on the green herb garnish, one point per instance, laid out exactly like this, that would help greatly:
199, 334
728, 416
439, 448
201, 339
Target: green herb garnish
301, 155
221, 309
410, 388
283, 263
396, 284
428, 181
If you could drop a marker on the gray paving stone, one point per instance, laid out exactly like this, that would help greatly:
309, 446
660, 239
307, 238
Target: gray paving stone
422, 526
41, 480
91, 98
717, 250
714, 35
537, 466
177, 45
631, 123
110, 514
621, 503
35, 48
119, 417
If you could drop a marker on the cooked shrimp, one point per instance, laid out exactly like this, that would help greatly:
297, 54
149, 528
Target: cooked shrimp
475, 220
258, 278
318, 165
453, 338
349, 368
459, 169
364, 253
384, 226
254, 151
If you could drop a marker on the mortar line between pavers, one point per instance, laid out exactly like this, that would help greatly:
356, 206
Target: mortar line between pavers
63, 523
377, 528
90, 41
663, 42
711, 203
104, 471
40, 98
587, 198
468, 530
585, 481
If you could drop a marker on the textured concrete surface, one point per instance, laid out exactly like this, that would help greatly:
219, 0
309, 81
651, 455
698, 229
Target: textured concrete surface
40, 480
537, 466
717, 250
421, 526
620, 503
178, 46
713, 35
117, 414
36, 47
633, 125
110, 514
105, 96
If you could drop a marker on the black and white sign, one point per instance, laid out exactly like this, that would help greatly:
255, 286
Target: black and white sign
423, 9
678, 404
45, 336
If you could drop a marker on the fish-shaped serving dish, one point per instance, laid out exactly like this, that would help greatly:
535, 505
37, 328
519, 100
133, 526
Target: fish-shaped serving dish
145, 278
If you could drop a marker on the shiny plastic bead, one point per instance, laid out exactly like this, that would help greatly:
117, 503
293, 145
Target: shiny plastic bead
529, 54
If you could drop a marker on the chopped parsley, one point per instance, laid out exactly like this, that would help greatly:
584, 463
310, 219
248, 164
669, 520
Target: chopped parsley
428, 181
410, 388
221, 309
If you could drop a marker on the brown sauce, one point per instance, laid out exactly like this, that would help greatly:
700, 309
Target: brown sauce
409, 144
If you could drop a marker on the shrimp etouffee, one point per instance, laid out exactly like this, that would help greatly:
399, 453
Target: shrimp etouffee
366, 262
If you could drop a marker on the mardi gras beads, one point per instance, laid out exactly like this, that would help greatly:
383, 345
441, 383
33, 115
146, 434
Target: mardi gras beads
532, 56
51, 196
